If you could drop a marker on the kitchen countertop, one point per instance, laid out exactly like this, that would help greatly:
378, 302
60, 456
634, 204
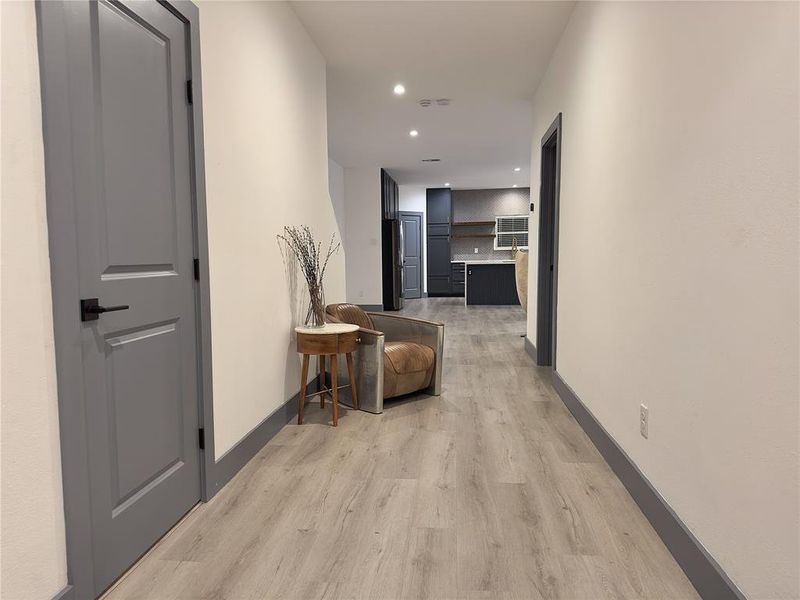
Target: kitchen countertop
486, 261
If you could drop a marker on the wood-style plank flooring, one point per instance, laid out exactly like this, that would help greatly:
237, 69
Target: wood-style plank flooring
491, 490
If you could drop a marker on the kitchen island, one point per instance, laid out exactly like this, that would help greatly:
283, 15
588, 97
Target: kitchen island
489, 282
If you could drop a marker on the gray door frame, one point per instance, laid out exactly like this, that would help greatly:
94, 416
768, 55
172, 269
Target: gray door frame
54, 50
423, 271
546, 323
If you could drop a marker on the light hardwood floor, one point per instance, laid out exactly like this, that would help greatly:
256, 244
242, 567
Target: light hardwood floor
491, 490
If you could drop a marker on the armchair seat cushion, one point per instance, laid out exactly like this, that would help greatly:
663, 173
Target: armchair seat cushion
407, 367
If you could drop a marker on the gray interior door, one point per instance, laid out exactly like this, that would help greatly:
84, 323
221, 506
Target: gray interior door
412, 254
131, 133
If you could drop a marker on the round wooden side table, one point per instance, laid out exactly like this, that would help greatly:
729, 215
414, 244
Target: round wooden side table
330, 340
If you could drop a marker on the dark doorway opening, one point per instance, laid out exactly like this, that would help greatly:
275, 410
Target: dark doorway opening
548, 246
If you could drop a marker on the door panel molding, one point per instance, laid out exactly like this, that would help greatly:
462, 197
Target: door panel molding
420, 247
55, 50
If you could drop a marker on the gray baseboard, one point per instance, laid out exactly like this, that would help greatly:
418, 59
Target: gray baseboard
703, 571
372, 307
530, 348
237, 457
68, 593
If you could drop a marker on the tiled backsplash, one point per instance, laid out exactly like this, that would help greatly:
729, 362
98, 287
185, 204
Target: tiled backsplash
464, 249
484, 205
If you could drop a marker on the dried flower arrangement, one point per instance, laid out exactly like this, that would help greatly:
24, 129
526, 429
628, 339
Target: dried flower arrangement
300, 241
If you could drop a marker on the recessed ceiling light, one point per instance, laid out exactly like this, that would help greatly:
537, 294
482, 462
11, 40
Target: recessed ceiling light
399, 89
517, 169
413, 133
447, 184
515, 185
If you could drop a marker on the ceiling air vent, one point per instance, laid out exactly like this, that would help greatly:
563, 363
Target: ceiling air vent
427, 102
431, 160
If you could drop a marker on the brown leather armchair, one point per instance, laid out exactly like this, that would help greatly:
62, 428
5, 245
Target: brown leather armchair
396, 355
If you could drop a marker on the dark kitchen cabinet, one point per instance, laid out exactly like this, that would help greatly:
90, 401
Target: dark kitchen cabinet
439, 286
439, 256
438, 206
457, 277
491, 284
390, 196
438, 229
390, 244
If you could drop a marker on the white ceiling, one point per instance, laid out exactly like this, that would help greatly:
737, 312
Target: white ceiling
487, 57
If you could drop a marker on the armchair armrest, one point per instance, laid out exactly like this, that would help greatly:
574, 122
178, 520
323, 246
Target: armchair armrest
369, 368
408, 329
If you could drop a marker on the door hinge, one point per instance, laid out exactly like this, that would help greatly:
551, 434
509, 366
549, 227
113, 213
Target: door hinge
189, 92
196, 267
201, 438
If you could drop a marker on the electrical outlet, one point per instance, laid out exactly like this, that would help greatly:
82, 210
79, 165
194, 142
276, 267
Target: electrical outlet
476, 250
644, 420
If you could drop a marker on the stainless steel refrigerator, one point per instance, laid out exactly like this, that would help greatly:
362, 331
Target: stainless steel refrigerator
392, 254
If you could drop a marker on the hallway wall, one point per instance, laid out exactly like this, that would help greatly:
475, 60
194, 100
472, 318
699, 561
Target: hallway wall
266, 153
678, 263
32, 545
336, 190
362, 192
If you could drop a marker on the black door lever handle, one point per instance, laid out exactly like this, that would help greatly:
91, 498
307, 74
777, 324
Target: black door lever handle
91, 309
104, 309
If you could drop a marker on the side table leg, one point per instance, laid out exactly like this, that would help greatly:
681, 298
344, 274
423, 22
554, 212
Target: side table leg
322, 384
335, 385
302, 399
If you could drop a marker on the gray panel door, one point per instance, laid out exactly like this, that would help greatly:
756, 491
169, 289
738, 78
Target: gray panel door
131, 130
412, 254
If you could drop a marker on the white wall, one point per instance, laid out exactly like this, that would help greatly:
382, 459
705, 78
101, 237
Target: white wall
266, 167
362, 189
678, 262
413, 198
336, 191
32, 546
